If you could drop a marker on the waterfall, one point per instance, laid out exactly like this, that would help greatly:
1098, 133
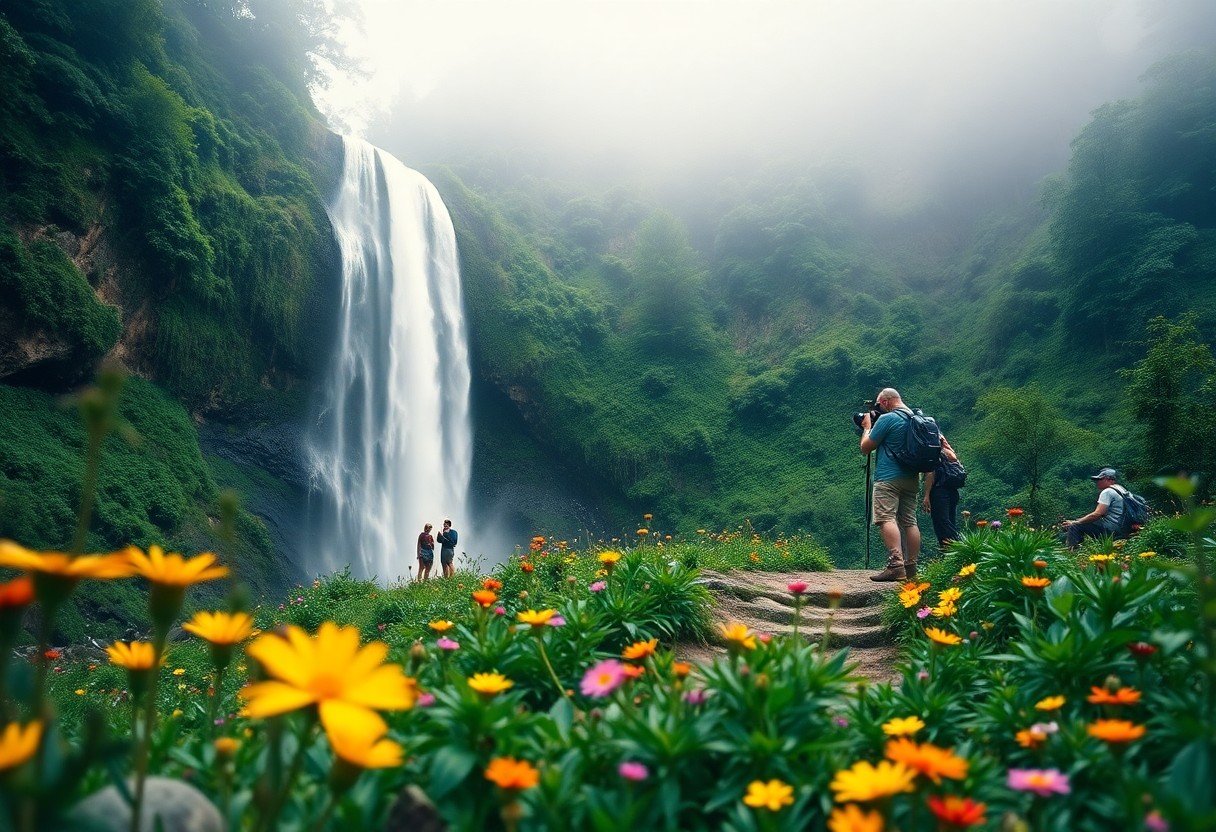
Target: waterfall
392, 445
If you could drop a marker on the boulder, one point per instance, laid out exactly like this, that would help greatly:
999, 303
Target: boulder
169, 806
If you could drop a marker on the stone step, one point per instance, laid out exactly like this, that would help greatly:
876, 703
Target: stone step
854, 587
764, 608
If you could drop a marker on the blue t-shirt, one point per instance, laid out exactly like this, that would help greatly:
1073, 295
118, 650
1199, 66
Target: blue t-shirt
889, 432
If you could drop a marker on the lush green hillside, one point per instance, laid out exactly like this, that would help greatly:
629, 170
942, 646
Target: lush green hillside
715, 382
161, 178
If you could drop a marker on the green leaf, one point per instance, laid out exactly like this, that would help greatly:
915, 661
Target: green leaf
1190, 776
1193, 521
1184, 487
563, 716
449, 767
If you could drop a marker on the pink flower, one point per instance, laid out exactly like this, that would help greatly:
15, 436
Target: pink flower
696, 696
996, 524
923, 612
557, 621
445, 643
598, 586
426, 700
602, 679
1153, 822
841, 722
797, 587
633, 771
1042, 781
500, 610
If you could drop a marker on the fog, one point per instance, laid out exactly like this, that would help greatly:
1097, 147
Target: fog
919, 94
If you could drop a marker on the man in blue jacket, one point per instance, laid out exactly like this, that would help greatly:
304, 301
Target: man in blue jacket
895, 487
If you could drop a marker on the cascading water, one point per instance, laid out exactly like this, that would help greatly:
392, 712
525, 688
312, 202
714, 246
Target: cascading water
392, 448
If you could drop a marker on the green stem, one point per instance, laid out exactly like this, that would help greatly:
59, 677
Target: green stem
297, 761
87, 492
144, 749
552, 675
323, 820
213, 705
797, 613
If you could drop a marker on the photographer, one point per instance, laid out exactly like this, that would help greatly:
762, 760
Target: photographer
895, 487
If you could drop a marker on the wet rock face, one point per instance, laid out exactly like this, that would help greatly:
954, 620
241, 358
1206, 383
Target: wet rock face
169, 805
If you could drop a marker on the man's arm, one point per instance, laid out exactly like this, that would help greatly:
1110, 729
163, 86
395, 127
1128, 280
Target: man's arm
868, 445
1099, 511
948, 451
928, 485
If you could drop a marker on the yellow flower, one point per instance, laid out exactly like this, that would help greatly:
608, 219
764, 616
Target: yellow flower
640, 649
330, 670
927, 759
222, 628
909, 598
773, 795
945, 609
537, 618
864, 782
939, 636
176, 713
441, 626
738, 635
172, 569
1148, 554
609, 557
967, 571
137, 655
1035, 583
903, 726
226, 746
1050, 703
1107, 558
950, 596
179, 671
489, 684
361, 742
511, 774
56, 573
647, 517
851, 818
18, 744
1115, 730
643, 532
80, 691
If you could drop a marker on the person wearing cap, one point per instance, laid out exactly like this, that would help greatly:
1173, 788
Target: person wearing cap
1107, 516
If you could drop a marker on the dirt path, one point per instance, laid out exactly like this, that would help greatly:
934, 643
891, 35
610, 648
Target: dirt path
762, 602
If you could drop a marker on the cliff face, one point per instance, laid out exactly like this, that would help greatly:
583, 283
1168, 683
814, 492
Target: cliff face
162, 206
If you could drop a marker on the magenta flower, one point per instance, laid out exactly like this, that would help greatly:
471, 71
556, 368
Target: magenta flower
557, 621
923, 612
445, 643
500, 610
1042, 781
426, 700
841, 722
602, 679
633, 771
798, 587
696, 696
598, 586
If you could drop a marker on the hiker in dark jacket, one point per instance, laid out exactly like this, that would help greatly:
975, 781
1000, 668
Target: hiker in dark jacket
447, 548
941, 500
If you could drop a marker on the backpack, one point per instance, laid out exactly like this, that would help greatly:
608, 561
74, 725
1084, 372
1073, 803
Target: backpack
950, 475
1135, 510
922, 448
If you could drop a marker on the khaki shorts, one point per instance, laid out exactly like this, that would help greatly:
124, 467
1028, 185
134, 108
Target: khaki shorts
896, 500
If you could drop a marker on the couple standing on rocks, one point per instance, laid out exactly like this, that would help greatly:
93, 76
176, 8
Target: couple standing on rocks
426, 550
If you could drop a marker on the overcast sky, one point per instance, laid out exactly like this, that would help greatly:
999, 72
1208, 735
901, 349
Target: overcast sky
915, 90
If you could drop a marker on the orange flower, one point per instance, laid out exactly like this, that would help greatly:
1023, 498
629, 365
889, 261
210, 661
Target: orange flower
491, 584
979, 524
942, 637
1030, 738
1040, 564
526, 566
485, 598
681, 669
511, 774
957, 812
640, 649
1035, 584
1014, 512
16, 593
927, 759
633, 671
913, 586
1120, 696
1115, 730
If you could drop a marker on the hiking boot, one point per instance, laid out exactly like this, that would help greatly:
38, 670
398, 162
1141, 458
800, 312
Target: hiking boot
891, 573
910, 571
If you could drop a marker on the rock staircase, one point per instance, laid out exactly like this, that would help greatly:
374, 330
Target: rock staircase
762, 602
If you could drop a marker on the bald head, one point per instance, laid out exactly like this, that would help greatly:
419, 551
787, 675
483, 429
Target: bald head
889, 398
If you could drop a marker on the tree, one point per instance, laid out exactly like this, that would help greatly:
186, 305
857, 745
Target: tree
1170, 391
1025, 436
671, 311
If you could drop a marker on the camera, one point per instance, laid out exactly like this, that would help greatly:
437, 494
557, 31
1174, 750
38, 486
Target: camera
870, 407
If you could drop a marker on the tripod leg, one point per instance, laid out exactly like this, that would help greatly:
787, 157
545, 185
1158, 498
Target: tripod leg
869, 510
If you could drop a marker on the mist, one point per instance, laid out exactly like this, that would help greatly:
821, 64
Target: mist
979, 96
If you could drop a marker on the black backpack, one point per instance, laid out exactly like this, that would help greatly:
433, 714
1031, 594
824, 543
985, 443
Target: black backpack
1135, 509
922, 448
950, 475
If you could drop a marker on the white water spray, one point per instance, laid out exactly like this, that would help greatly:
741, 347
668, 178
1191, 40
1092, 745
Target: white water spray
393, 446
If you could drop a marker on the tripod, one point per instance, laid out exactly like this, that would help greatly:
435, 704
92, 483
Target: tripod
869, 508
